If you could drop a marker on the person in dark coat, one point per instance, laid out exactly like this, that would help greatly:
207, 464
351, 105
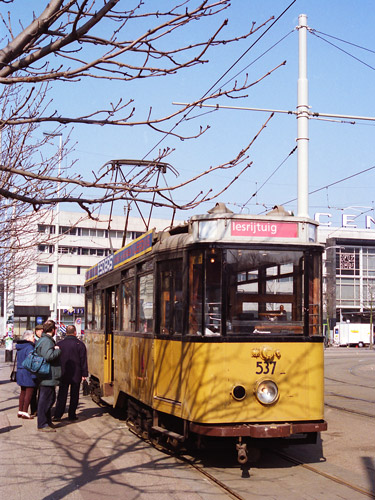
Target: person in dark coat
38, 330
25, 379
74, 370
46, 348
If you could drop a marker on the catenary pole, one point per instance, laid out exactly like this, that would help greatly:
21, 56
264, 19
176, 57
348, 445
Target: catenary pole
302, 122
54, 308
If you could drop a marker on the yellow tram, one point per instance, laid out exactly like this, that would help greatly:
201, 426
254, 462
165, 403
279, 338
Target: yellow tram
212, 329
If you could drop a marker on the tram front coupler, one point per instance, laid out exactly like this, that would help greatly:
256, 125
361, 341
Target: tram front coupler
242, 452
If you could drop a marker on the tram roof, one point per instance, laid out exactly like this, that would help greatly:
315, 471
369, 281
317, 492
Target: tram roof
219, 225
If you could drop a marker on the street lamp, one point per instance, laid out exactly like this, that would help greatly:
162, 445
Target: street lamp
54, 304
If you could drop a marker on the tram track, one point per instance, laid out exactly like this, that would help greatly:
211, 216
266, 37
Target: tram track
229, 491
331, 477
188, 461
348, 410
345, 382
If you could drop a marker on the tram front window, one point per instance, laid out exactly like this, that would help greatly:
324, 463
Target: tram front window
265, 292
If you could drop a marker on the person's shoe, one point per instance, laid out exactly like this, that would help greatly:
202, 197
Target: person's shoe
51, 425
20, 414
56, 419
27, 416
46, 429
73, 419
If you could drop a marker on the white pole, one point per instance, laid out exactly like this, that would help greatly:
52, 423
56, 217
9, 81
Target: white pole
55, 295
303, 121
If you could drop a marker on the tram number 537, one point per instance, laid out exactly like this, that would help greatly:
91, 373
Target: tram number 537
265, 367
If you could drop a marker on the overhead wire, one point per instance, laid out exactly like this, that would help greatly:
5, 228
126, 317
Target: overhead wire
334, 183
221, 77
183, 118
344, 41
269, 177
313, 32
317, 34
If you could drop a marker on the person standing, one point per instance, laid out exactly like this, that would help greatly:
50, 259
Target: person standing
74, 370
46, 348
25, 379
38, 330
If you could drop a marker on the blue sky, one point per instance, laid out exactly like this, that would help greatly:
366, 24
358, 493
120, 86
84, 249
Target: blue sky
337, 84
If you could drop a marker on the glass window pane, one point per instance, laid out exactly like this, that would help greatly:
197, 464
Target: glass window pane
89, 302
128, 309
145, 303
97, 322
265, 291
195, 293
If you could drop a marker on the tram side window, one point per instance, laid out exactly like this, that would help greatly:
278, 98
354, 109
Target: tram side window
205, 292
265, 292
171, 299
315, 313
213, 292
97, 320
128, 306
89, 302
145, 303
195, 293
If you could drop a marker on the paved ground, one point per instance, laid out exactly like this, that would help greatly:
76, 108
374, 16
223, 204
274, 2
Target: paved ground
98, 457
95, 457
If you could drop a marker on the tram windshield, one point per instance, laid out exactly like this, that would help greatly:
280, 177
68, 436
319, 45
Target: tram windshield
254, 292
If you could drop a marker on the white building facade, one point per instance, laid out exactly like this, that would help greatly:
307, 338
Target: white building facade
81, 243
348, 269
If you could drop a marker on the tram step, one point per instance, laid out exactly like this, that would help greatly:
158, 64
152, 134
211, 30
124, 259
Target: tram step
108, 399
166, 432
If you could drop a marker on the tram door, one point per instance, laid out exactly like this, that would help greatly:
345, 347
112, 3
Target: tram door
110, 319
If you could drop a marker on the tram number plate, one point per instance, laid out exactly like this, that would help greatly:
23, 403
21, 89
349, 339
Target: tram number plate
265, 367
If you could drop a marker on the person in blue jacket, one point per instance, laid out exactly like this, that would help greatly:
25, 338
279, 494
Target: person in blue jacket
25, 379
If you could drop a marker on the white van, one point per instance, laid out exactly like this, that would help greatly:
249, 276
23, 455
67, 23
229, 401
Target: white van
352, 334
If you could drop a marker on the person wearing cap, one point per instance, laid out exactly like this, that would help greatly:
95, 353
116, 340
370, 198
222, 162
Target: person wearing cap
74, 370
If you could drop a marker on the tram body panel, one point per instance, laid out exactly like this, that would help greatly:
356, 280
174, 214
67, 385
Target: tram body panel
201, 379
95, 345
167, 376
133, 368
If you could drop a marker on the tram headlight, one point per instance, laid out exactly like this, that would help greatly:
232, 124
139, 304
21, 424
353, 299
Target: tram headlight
267, 392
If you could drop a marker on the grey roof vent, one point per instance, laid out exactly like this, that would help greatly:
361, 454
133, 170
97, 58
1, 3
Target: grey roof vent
220, 208
279, 210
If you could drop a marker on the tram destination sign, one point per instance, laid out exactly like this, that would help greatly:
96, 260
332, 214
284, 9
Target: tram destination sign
264, 229
256, 229
129, 252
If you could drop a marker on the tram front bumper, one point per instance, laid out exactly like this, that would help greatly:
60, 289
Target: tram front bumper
259, 431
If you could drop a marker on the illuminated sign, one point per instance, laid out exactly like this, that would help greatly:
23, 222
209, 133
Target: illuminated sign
264, 229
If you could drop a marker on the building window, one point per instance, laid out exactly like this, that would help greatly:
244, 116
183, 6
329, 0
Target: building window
46, 229
99, 233
70, 289
42, 288
68, 230
116, 234
369, 261
43, 268
347, 262
68, 250
45, 248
